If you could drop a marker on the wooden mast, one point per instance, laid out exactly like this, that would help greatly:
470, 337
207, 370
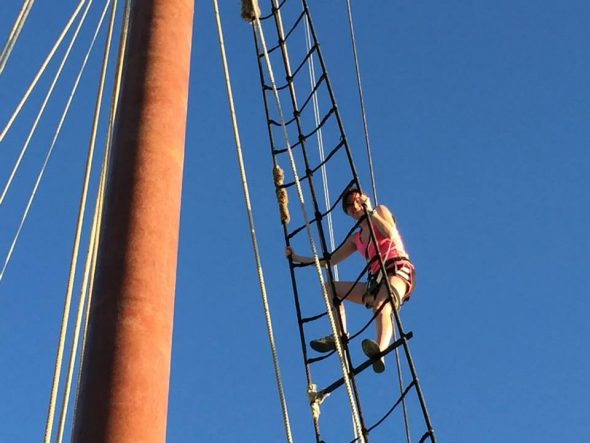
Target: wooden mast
123, 393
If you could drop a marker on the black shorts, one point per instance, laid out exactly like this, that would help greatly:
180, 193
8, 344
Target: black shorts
399, 267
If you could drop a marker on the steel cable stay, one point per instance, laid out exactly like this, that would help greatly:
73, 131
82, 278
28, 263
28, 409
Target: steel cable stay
88, 268
50, 150
42, 68
298, 135
83, 208
17, 27
48, 95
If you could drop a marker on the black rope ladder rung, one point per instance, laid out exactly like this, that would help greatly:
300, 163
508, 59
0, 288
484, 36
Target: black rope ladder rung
395, 405
322, 85
364, 365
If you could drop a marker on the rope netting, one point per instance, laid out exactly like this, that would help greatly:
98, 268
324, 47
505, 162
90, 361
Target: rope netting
298, 108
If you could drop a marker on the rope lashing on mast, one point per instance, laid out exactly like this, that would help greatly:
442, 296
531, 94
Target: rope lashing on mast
335, 329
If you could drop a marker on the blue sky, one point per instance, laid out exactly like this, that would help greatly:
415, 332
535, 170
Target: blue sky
478, 116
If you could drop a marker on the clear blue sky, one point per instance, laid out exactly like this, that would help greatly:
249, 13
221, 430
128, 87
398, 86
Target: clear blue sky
478, 116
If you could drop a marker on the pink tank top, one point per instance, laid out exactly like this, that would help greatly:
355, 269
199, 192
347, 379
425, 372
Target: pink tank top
388, 247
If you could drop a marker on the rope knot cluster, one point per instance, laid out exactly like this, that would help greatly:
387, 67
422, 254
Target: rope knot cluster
282, 196
250, 10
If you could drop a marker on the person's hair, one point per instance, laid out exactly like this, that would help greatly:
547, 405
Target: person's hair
347, 194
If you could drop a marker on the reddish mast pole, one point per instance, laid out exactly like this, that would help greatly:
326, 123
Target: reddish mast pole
123, 393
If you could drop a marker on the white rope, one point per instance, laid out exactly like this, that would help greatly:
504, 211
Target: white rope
91, 247
245, 189
374, 187
43, 105
47, 157
15, 32
42, 69
97, 222
327, 302
320, 139
74, 258
362, 101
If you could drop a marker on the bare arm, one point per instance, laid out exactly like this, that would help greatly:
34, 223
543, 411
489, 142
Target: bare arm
383, 220
345, 250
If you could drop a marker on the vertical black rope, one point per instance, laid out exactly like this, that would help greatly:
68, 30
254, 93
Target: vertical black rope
286, 236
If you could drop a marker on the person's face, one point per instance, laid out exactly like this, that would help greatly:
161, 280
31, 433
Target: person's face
354, 205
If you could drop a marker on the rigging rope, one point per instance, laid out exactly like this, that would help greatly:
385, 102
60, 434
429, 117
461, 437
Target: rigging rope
15, 32
75, 249
42, 68
47, 157
92, 245
373, 185
349, 389
267, 315
45, 101
362, 101
97, 222
316, 114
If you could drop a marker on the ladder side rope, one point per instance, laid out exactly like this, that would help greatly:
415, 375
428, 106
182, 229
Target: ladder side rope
343, 354
373, 185
90, 251
306, 219
103, 179
361, 100
400, 381
75, 249
320, 139
42, 68
254, 240
33, 128
43, 167
15, 32
404, 337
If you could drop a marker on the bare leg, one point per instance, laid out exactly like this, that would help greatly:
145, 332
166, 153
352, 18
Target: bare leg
355, 296
383, 322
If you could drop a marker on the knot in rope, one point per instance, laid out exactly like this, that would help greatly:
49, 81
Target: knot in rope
250, 10
282, 196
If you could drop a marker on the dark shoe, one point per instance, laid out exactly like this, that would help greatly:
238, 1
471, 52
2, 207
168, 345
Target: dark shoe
324, 344
371, 349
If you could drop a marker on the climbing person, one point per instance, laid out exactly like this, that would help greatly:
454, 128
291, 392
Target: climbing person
373, 294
